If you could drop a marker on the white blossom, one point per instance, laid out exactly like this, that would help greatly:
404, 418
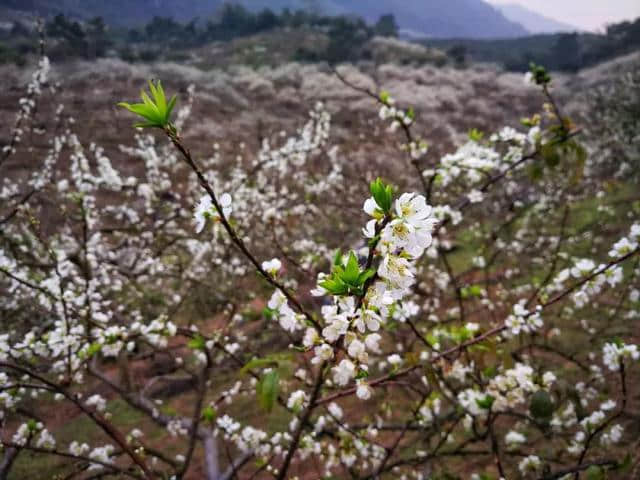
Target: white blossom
344, 372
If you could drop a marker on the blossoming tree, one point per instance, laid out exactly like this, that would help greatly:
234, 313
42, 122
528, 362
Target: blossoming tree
431, 335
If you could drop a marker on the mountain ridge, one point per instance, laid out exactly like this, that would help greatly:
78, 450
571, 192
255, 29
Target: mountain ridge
440, 18
436, 18
533, 21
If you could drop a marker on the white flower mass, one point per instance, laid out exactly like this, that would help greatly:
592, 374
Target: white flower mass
254, 307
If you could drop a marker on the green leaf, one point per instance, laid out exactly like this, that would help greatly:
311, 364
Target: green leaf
460, 334
540, 75
366, 275
334, 286
541, 405
158, 96
267, 390
94, 348
486, 402
475, 135
471, 291
384, 96
352, 270
197, 343
388, 198
411, 113
172, 104
374, 187
551, 154
382, 194
337, 258
347, 279
209, 414
157, 111
490, 371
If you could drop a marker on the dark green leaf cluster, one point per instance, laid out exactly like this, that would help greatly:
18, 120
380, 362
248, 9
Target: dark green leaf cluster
197, 343
541, 406
476, 135
156, 112
540, 75
348, 279
471, 291
382, 194
486, 402
209, 414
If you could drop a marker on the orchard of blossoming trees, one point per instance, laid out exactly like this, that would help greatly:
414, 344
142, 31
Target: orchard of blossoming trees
470, 316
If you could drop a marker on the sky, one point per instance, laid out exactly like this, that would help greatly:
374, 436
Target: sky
585, 14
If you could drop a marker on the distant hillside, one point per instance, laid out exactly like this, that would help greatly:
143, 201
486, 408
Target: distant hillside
534, 22
118, 12
427, 18
438, 18
433, 18
558, 51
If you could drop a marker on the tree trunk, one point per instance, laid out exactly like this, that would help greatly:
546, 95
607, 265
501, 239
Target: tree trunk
212, 467
5, 467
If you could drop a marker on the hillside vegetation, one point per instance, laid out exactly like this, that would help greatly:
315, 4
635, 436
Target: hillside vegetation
308, 37
440, 18
562, 51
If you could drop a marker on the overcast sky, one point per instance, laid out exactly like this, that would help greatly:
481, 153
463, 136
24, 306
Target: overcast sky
586, 14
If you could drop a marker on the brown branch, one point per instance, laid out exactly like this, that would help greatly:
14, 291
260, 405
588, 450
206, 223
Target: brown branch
305, 418
96, 417
204, 183
490, 333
